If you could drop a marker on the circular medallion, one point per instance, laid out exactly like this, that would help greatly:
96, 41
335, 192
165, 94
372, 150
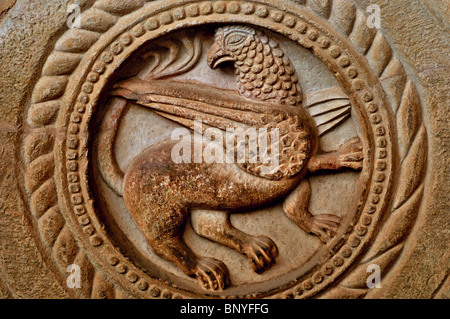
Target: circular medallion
155, 228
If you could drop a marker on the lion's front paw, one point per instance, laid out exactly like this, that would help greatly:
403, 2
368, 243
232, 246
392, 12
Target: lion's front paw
262, 252
351, 154
212, 274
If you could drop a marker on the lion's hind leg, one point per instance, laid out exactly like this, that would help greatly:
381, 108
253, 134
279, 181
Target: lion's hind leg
216, 226
163, 226
296, 208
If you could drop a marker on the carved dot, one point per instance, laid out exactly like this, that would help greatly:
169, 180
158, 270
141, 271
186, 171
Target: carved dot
366, 220
301, 27
155, 292
344, 62
375, 198
381, 166
328, 270
352, 73
179, 14
113, 260
167, 295
372, 107
81, 108
116, 48
382, 154
72, 166
378, 189
122, 269
206, 8
380, 130
338, 262
77, 199
152, 24
248, 8
83, 99
220, 7
93, 77
380, 177
367, 97
234, 7
289, 295
335, 52
166, 18
382, 142
71, 155
372, 209
358, 84
75, 118
318, 278
262, 12
138, 31
132, 277
313, 35
324, 43
73, 129
89, 230
126, 39
290, 22
99, 67
299, 291
72, 143
142, 285
308, 285
74, 188
84, 220
96, 241
354, 241
107, 57
192, 11
376, 119
79, 210
88, 88
361, 230
73, 178
277, 16
346, 252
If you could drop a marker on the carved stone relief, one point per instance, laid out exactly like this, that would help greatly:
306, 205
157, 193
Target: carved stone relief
223, 149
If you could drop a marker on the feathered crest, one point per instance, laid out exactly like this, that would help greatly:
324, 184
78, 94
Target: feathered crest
172, 56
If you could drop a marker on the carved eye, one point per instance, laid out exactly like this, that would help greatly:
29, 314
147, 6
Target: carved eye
234, 39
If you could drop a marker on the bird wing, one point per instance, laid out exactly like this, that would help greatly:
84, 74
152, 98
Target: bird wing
186, 103
329, 108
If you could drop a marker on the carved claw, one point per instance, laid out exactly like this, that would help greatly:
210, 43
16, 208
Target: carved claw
212, 274
351, 154
325, 226
262, 252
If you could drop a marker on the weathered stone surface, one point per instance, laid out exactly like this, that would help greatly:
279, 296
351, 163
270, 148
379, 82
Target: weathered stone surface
89, 178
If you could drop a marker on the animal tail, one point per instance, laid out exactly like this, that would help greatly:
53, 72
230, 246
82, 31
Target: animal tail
109, 169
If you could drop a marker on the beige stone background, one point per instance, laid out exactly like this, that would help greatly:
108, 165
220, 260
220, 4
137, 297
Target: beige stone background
418, 31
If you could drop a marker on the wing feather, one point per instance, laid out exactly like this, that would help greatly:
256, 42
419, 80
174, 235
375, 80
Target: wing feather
329, 108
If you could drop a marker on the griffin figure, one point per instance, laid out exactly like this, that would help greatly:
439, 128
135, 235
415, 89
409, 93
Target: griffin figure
160, 194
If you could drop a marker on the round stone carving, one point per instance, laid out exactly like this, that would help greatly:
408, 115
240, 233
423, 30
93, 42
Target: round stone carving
158, 63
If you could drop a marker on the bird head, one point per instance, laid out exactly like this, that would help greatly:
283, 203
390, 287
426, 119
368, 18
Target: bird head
229, 44
264, 72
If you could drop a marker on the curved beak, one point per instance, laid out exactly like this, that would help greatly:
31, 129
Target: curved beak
217, 56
